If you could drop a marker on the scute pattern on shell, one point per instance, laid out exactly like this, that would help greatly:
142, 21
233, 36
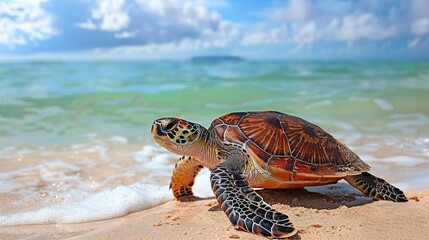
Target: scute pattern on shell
288, 142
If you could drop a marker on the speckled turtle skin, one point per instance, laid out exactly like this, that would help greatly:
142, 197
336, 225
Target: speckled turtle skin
266, 150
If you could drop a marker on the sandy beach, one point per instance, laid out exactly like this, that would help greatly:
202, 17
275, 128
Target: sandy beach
315, 215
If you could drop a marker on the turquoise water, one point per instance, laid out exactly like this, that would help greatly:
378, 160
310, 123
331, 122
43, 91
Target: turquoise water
48, 103
73, 134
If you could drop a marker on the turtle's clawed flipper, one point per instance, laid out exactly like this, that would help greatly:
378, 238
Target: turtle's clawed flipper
245, 208
376, 188
183, 178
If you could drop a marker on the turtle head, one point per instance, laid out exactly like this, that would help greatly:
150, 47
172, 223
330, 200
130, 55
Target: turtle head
177, 135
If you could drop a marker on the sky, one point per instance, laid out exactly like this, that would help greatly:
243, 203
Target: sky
158, 29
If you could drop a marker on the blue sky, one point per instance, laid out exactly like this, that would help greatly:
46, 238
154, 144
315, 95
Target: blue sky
153, 29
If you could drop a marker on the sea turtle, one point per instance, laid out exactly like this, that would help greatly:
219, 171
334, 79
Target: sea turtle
265, 150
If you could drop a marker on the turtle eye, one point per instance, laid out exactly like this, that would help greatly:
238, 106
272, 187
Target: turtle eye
170, 126
167, 124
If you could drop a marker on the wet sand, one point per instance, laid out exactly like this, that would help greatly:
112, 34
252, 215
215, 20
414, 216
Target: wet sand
315, 215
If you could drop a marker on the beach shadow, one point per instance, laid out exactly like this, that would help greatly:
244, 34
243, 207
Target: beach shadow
193, 199
330, 196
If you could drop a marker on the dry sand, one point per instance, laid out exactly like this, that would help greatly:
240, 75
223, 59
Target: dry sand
316, 216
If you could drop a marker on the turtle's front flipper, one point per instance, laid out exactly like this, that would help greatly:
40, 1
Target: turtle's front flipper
245, 208
184, 174
376, 188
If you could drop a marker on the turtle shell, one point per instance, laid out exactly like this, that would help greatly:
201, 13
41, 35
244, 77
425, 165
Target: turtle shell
289, 147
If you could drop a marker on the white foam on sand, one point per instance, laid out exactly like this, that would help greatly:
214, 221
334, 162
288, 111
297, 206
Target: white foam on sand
70, 191
202, 187
106, 204
67, 192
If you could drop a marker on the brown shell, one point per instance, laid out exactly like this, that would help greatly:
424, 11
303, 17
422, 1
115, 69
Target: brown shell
288, 146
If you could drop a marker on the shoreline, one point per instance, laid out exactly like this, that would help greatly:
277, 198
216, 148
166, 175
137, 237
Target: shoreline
315, 215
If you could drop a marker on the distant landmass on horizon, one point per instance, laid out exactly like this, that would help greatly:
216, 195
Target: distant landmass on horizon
217, 58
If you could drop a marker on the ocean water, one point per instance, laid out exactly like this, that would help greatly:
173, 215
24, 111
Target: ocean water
75, 142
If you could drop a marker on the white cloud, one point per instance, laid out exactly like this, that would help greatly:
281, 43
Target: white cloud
184, 45
420, 26
88, 24
295, 10
124, 34
178, 49
261, 34
305, 10
350, 28
342, 21
23, 22
107, 15
177, 26
175, 21
306, 34
413, 43
213, 3
162, 22
361, 26
186, 16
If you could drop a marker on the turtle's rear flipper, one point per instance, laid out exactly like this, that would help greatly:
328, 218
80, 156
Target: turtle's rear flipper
376, 188
245, 208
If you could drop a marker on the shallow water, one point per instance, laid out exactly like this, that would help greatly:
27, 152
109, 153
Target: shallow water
74, 133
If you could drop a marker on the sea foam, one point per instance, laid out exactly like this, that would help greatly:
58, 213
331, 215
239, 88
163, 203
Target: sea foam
106, 204
70, 198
